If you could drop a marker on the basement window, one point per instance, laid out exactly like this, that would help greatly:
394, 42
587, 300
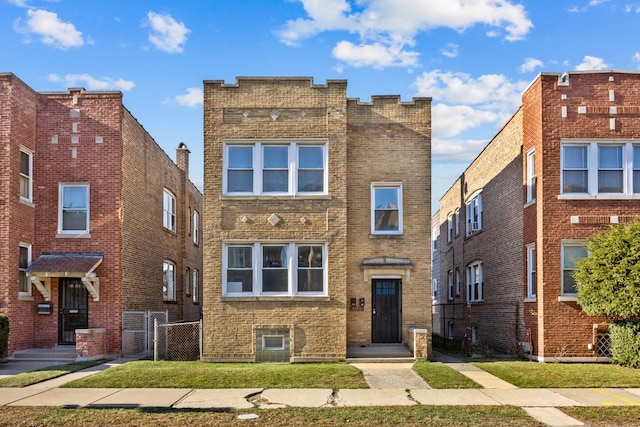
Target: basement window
273, 342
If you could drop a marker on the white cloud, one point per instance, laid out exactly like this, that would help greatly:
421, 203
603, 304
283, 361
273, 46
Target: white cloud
192, 98
495, 91
167, 34
450, 50
451, 120
91, 83
391, 25
636, 57
51, 30
531, 64
19, 3
592, 63
376, 55
456, 151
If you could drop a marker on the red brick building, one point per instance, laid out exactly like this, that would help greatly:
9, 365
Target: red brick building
564, 168
96, 218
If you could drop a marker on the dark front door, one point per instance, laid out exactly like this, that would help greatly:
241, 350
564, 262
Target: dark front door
73, 312
386, 303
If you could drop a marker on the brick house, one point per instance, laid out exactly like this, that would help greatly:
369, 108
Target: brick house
96, 219
563, 168
316, 219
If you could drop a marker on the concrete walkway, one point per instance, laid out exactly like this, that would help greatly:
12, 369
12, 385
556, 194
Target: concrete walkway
397, 380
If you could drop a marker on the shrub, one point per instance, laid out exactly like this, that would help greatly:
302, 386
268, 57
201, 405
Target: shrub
4, 335
625, 343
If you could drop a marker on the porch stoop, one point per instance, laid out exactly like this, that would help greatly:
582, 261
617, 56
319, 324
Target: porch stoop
379, 353
57, 353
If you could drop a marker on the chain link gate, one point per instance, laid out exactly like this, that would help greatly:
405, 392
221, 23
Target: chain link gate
137, 331
177, 341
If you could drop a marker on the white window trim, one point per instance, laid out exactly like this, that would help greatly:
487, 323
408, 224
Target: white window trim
592, 168
434, 289
61, 188
470, 284
458, 282
279, 348
169, 218
531, 268
531, 176
171, 296
450, 227
456, 219
196, 227
256, 263
258, 165
29, 291
450, 285
565, 243
30, 176
187, 281
474, 226
386, 185
195, 286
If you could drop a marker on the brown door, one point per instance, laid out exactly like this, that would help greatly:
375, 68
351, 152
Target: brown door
73, 310
385, 306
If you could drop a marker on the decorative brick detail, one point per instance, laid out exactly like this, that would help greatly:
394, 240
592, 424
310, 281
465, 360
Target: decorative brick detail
90, 344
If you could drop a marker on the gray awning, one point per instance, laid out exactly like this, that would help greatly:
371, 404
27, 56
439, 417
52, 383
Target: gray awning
80, 265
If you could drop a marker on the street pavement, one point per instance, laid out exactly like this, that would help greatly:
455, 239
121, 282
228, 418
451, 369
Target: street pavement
390, 384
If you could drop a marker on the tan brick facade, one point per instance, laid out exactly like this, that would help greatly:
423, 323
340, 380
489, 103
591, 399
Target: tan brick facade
358, 140
89, 138
585, 109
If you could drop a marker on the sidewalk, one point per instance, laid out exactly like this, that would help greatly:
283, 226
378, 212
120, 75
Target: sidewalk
541, 404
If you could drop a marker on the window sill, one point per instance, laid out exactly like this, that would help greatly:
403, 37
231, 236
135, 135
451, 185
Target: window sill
530, 203
584, 196
386, 236
27, 202
276, 298
73, 236
275, 197
170, 301
567, 298
168, 230
25, 298
530, 299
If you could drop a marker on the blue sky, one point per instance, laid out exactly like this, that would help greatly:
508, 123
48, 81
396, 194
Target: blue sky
473, 57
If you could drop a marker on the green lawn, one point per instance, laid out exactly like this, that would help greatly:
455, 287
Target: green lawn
438, 375
562, 375
138, 374
28, 378
433, 416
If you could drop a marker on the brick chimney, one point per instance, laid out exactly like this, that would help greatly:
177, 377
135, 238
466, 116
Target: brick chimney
182, 158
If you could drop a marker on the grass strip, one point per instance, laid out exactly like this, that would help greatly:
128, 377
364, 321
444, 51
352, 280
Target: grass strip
562, 375
438, 375
433, 416
628, 416
33, 377
140, 374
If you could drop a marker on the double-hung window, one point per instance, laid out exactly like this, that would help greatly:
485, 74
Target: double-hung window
278, 168
531, 271
26, 175
169, 210
600, 167
386, 208
274, 269
450, 227
456, 220
450, 285
24, 287
169, 281
458, 281
474, 282
571, 253
73, 209
195, 295
196, 227
474, 213
531, 176
187, 282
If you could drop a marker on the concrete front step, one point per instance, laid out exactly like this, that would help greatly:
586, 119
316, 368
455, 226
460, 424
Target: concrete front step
380, 360
381, 352
58, 353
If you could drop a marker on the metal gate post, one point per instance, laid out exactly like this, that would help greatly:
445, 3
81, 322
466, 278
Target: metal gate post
155, 340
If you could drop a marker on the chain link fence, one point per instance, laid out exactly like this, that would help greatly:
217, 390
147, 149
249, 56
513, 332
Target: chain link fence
177, 341
137, 331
